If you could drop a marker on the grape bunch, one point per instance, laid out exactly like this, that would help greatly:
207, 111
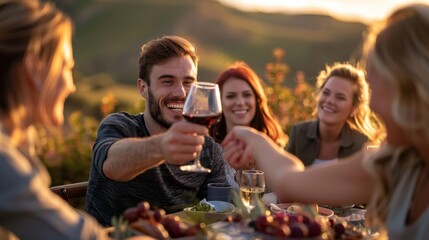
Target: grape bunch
285, 225
345, 231
300, 225
154, 222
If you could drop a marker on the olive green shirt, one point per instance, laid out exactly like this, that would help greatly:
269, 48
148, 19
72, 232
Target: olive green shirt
304, 141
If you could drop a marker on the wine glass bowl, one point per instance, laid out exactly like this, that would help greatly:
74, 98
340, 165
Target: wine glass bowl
252, 187
202, 106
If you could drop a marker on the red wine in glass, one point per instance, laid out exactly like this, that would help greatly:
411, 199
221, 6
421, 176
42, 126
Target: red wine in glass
202, 106
203, 119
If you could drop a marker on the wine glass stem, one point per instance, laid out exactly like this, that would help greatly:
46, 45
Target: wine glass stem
196, 166
197, 159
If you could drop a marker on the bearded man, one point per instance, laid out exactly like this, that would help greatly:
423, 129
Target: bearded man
137, 157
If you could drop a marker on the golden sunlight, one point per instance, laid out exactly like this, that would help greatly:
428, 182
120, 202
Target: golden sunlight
348, 10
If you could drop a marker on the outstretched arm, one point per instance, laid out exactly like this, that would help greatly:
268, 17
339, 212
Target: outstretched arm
129, 157
335, 183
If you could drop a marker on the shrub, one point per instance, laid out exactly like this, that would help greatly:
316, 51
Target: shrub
68, 155
290, 105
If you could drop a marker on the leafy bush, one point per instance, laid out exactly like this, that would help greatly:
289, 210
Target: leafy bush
68, 156
289, 105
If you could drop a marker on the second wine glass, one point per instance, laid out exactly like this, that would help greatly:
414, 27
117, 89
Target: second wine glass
202, 106
252, 187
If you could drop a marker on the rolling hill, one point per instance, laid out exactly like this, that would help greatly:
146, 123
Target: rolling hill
109, 33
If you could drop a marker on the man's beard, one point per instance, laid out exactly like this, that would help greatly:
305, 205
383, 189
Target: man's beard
156, 113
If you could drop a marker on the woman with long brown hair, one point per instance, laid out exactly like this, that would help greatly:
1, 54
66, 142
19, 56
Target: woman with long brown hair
244, 103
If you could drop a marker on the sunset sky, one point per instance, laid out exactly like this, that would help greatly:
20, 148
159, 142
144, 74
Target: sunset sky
360, 10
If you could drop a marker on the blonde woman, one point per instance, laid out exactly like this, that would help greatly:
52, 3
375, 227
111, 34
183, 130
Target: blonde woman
35, 79
344, 121
393, 181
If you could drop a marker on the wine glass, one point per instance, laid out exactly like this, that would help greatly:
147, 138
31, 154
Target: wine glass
372, 147
202, 106
252, 187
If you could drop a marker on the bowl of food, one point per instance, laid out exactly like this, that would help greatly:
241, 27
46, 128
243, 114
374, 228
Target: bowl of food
298, 208
209, 211
342, 211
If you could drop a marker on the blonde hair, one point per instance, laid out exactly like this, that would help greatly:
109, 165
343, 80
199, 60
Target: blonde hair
362, 118
32, 35
399, 49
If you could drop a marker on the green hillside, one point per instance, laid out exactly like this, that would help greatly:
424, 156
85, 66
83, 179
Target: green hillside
109, 33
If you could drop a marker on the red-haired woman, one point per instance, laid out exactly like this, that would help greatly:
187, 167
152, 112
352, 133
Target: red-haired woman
244, 103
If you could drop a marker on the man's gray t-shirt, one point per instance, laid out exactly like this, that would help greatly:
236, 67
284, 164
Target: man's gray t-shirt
165, 186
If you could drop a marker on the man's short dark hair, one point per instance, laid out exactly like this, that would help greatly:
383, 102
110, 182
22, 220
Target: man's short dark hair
161, 49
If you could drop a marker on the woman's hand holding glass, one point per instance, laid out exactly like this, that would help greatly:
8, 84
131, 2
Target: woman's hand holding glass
237, 147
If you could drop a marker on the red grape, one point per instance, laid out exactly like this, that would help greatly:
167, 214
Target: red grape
298, 230
339, 229
131, 214
314, 229
158, 214
143, 208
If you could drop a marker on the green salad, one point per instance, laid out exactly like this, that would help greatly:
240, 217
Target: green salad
203, 207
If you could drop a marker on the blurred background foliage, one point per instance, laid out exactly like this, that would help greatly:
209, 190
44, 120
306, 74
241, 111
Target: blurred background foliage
286, 50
